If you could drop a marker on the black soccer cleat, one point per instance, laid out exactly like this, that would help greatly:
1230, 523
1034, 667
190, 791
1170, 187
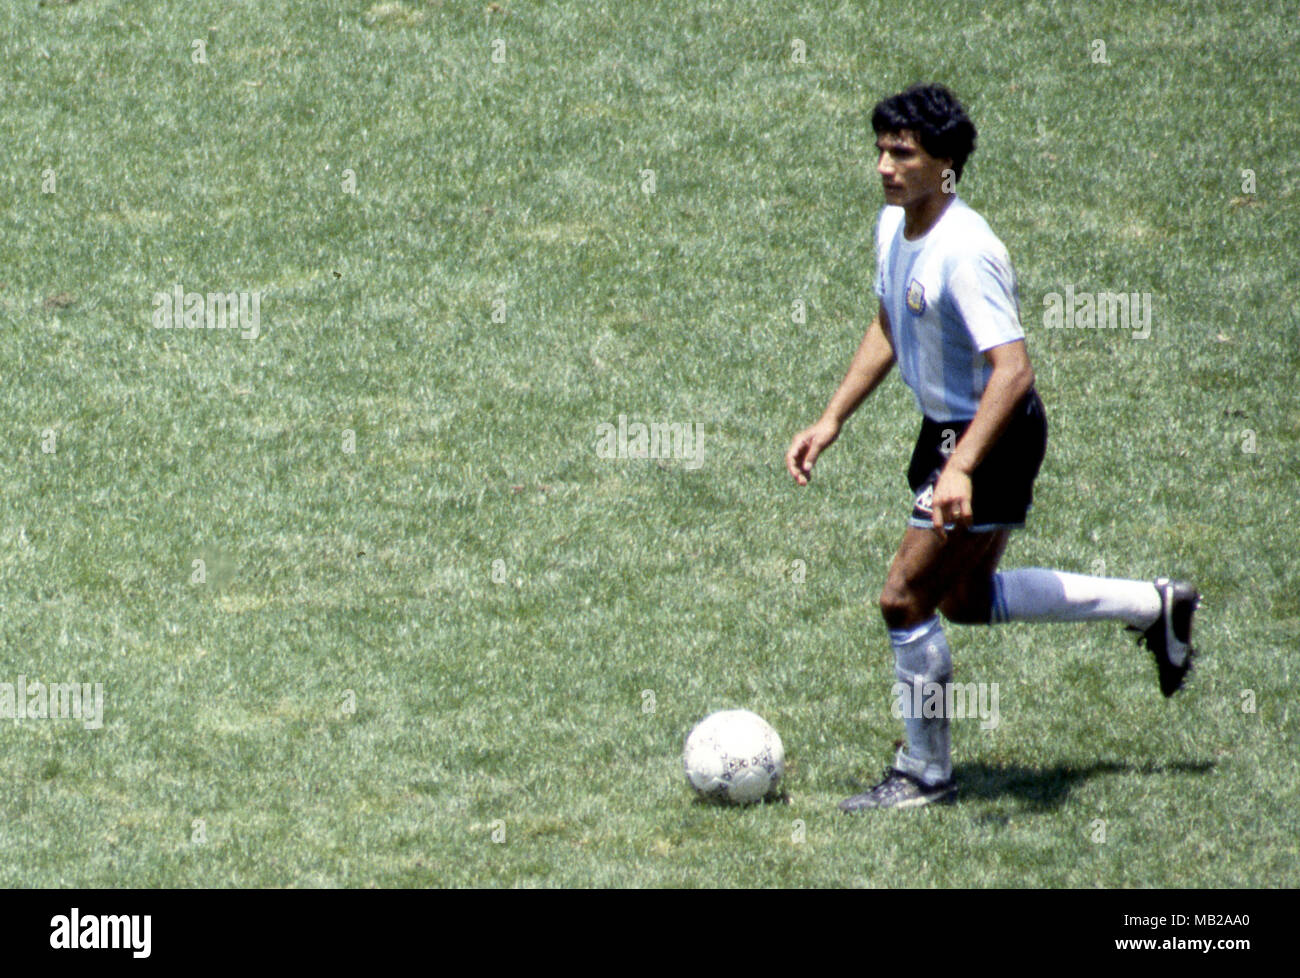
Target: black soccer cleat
1170, 637
900, 790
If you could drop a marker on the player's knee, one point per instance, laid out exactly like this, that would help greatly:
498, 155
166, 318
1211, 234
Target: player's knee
900, 606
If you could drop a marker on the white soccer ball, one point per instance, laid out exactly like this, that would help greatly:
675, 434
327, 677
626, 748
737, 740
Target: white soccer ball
734, 756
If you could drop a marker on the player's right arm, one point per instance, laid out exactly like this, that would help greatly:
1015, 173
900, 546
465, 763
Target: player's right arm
870, 364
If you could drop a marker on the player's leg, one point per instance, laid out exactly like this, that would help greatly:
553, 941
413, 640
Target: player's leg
982, 595
1161, 610
1003, 489
928, 573
969, 598
1039, 594
926, 570
923, 570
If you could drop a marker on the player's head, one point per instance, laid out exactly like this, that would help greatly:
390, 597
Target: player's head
935, 119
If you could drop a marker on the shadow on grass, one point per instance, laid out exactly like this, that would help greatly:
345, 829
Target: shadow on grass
1043, 789
716, 801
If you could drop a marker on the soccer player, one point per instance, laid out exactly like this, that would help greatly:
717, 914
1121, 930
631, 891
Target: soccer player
949, 317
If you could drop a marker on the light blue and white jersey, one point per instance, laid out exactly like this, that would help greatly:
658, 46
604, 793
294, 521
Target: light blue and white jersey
950, 295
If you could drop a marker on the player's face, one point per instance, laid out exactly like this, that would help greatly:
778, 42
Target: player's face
908, 173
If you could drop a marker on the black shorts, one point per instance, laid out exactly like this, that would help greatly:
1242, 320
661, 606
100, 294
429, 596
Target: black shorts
1002, 484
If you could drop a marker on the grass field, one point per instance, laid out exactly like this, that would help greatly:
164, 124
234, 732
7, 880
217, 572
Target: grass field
435, 638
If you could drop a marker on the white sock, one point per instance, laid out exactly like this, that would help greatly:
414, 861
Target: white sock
922, 662
1035, 594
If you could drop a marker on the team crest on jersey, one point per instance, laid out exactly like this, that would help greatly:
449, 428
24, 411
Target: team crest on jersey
916, 297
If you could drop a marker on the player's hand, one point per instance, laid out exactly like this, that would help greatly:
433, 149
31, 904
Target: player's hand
951, 502
805, 448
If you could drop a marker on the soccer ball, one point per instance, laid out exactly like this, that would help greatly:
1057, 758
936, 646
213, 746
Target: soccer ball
734, 756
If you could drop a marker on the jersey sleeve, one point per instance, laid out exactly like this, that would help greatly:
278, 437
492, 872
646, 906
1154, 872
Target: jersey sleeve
982, 289
884, 234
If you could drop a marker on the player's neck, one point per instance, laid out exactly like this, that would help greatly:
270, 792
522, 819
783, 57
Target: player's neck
920, 217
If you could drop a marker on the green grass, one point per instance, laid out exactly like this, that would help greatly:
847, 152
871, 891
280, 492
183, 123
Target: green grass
519, 705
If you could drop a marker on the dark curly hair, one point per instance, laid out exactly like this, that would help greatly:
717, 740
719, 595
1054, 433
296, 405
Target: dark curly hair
934, 114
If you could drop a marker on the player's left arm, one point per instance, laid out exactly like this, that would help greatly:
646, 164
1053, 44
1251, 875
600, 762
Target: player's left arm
1011, 379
